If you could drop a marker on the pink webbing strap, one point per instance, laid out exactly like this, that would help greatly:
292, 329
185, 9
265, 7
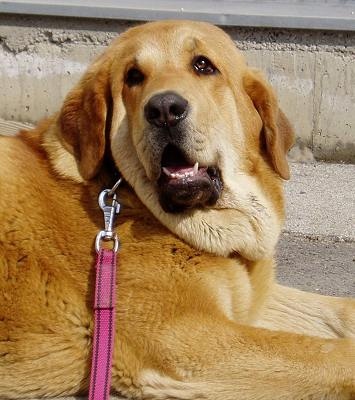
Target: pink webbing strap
104, 328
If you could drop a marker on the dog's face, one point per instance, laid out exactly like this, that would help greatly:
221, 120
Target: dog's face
181, 116
196, 133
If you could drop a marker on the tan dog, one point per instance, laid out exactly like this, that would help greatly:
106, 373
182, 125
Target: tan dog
199, 315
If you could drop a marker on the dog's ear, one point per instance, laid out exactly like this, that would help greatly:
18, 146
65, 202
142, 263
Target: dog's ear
277, 131
86, 117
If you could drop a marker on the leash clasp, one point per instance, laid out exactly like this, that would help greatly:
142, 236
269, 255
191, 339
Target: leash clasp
110, 207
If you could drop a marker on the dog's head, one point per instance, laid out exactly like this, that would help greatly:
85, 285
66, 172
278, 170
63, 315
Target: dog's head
196, 133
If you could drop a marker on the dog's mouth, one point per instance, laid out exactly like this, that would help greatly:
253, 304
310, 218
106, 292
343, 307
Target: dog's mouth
184, 185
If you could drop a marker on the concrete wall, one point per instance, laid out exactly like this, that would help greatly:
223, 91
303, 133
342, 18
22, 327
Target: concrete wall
313, 72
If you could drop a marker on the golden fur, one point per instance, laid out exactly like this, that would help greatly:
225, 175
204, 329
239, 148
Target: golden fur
199, 314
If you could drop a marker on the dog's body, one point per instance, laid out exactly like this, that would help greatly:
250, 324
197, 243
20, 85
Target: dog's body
199, 314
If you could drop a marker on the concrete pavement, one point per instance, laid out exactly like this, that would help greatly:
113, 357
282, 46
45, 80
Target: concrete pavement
321, 200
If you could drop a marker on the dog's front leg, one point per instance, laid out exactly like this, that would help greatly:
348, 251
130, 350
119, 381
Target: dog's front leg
293, 310
200, 357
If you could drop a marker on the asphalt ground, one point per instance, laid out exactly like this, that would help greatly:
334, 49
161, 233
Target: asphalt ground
323, 266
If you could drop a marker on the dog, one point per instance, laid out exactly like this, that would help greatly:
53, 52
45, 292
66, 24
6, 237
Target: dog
201, 144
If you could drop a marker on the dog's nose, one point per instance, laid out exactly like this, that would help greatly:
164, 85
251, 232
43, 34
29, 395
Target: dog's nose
166, 109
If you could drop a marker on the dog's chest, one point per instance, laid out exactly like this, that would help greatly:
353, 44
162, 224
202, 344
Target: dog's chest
160, 277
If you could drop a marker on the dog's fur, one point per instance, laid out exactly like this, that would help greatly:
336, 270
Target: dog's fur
199, 314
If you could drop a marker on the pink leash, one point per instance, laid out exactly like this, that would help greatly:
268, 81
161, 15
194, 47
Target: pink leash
105, 300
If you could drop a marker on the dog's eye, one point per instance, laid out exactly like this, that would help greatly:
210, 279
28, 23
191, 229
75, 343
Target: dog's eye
203, 65
134, 77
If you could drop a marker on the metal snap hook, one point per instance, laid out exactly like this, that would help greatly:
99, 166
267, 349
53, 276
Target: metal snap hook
111, 207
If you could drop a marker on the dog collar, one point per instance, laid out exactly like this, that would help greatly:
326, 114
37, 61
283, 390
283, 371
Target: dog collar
105, 299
